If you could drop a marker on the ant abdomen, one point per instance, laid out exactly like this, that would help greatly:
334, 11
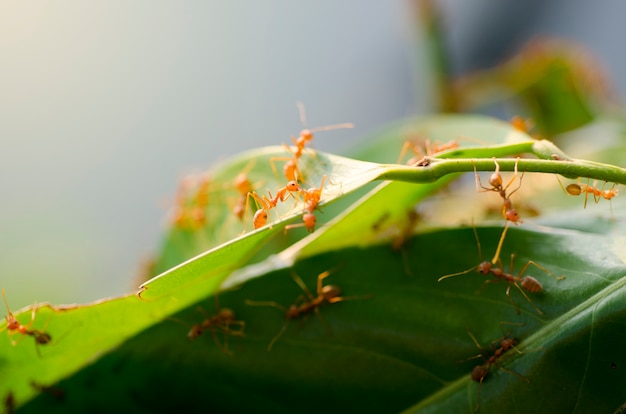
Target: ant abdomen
479, 373
530, 284
574, 189
331, 291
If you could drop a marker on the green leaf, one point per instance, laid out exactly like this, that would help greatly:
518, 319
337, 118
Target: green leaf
397, 343
401, 334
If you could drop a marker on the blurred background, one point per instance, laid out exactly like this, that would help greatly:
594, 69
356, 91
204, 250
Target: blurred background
105, 106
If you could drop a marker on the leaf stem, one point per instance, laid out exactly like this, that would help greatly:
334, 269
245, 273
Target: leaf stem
552, 161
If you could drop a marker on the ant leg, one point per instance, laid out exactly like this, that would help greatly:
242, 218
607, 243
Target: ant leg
538, 266
266, 303
587, 189
473, 338
479, 184
513, 179
274, 305
240, 324
409, 145
278, 335
300, 283
508, 294
597, 194
320, 279
496, 256
525, 296
273, 161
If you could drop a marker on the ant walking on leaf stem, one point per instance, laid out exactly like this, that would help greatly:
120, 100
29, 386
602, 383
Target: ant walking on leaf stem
509, 213
586, 189
305, 304
522, 283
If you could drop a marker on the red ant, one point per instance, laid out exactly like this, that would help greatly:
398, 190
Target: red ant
264, 204
480, 372
291, 169
222, 321
14, 326
509, 213
521, 124
304, 305
528, 283
190, 211
306, 135
429, 149
52, 390
243, 185
200, 202
312, 198
180, 214
578, 189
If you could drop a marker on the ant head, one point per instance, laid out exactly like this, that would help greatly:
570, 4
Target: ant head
306, 135
531, 284
485, 267
12, 322
331, 292
512, 215
242, 184
293, 186
194, 332
609, 194
239, 210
